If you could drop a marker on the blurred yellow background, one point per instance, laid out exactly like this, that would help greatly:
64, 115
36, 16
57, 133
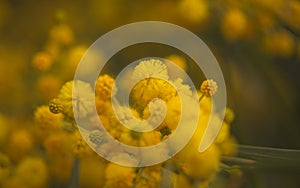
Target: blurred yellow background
256, 43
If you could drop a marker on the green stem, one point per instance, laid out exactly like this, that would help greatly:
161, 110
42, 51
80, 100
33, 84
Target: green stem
74, 180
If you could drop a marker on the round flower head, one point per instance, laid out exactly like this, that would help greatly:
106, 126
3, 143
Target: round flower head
209, 88
33, 172
42, 61
193, 10
104, 87
82, 100
61, 34
48, 86
234, 24
56, 106
150, 68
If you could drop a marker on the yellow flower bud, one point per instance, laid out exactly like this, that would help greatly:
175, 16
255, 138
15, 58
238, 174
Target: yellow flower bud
209, 88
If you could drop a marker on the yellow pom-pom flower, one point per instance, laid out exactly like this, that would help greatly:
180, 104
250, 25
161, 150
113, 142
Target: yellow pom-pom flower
104, 87
81, 100
201, 165
46, 122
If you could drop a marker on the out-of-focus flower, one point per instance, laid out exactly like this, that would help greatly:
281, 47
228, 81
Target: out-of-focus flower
20, 143
178, 60
91, 172
48, 86
229, 115
224, 133
59, 146
209, 88
180, 180
74, 56
201, 165
228, 147
193, 10
280, 43
61, 34
42, 61
234, 24
119, 176
32, 172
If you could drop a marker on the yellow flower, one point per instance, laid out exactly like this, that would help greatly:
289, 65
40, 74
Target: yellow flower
229, 115
61, 169
119, 176
194, 10
150, 68
146, 90
91, 172
209, 88
42, 61
80, 147
20, 144
223, 134
33, 172
82, 99
104, 87
234, 24
201, 165
61, 34
74, 56
174, 113
59, 146
48, 86
228, 147
46, 122
179, 181
280, 43
178, 60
